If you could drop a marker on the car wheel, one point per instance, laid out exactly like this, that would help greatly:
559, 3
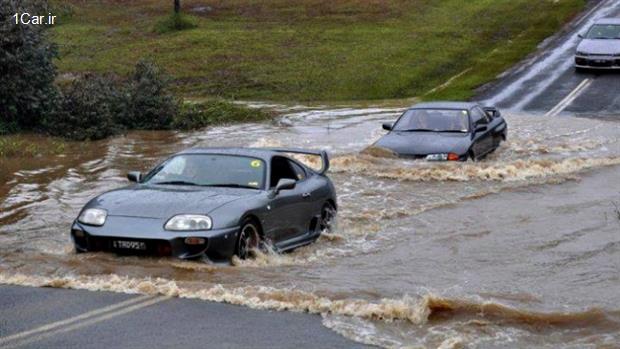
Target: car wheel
248, 240
328, 218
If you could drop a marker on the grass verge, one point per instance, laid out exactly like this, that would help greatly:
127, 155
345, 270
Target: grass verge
309, 50
195, 115
14, 146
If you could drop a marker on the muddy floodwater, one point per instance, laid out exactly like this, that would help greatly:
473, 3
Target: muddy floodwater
521, 249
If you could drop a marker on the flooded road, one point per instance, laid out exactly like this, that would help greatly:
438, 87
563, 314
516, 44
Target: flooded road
521, 249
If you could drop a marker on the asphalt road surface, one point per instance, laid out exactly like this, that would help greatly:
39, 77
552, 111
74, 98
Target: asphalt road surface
58, 318
547, 82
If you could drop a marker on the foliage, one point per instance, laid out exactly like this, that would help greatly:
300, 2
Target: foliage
200, 115
90, 108
27, 71
151, 104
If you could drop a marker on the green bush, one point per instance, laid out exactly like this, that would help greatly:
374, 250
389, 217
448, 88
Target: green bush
199, 115
27, 71
175, 22
92, 107
151, 104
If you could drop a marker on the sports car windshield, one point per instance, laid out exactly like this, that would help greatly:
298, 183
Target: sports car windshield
604, 31
437, 120
210, 170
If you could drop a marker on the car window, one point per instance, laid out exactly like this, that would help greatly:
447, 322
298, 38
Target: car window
300, 173
454, 120
604, 31
210, 170
478, 116
281, 168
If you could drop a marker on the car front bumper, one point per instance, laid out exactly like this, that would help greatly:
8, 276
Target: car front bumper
597, 62
219, 244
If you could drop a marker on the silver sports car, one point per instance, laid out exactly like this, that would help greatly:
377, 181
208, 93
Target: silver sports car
600, 47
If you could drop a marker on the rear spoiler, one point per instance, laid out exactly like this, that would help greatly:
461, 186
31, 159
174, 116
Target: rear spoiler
320, 153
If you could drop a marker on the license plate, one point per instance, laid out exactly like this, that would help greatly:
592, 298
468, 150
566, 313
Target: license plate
129, 245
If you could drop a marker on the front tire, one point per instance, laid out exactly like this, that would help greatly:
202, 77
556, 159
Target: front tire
248, 240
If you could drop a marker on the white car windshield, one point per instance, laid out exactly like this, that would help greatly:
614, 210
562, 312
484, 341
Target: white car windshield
604, 31
438, 120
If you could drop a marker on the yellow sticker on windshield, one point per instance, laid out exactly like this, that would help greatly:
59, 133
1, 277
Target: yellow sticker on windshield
255, 163
253, 184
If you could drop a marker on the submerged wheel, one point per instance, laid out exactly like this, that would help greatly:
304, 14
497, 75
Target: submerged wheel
328, 218
248, 240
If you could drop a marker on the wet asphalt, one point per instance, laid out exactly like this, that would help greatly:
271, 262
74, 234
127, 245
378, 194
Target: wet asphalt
544, 80
46, 318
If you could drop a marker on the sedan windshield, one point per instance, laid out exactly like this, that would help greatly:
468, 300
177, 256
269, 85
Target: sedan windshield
604, 31
209, 170
438, 120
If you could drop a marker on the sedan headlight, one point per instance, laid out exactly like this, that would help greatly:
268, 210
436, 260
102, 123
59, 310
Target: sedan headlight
443, 157
93, 216
189, 222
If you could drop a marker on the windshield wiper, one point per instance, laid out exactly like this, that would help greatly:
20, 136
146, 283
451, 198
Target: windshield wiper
416, 130
231, 185
176, 183
429, 130
452, 131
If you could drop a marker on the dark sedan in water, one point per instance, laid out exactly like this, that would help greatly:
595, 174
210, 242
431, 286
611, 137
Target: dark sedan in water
217, 202
445, 131
600, 46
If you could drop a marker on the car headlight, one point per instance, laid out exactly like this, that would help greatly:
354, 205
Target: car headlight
443, 157
93, 216
189, 222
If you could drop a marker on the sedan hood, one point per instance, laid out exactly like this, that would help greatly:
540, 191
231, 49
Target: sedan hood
424, 143
165, 202
600, 47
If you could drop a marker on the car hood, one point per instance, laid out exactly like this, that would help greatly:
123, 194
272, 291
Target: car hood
424, 143
166, 201
601, 47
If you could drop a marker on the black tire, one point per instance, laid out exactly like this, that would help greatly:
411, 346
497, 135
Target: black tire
328, 218
248, 239
472, 156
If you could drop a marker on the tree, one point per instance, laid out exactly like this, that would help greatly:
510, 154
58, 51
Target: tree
27, 72
177, 6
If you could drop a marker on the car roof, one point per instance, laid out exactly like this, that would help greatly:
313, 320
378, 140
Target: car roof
608, 21
261, 153
444, 105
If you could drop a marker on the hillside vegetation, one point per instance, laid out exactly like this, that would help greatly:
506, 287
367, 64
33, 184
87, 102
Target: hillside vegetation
329, 50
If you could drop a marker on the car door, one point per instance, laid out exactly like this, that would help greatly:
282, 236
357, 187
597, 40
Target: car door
311, 195
482, 140
287, 207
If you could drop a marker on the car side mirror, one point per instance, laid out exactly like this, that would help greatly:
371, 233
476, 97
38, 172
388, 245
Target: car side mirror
134, 176
387, 126
492, 112
481, 128
285, 184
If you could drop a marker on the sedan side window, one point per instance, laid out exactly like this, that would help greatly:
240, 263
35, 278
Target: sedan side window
478, 116
300, 173
281, 168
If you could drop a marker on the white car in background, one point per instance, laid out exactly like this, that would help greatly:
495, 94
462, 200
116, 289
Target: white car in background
600, 47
